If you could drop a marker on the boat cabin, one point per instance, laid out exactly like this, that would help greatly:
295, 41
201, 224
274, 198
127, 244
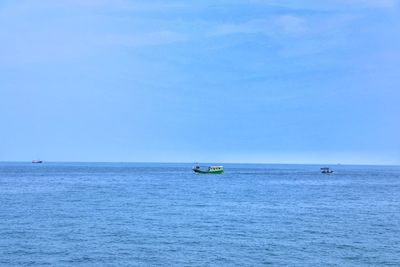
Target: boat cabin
208, 169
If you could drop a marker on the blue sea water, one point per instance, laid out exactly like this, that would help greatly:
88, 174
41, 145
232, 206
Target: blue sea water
109, 214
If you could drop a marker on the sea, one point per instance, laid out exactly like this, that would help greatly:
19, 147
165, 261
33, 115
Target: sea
153, 214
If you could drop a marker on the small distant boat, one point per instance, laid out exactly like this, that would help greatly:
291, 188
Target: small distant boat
208, 169
326, 170
37, 161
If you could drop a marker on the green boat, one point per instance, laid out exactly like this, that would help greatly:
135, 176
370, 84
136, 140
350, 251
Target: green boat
209, 169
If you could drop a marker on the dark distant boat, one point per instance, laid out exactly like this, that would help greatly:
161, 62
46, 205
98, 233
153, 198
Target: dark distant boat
208, 169
37, 161
326, 170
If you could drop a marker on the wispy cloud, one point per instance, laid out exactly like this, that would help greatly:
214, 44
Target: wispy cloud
143, 39
291, 24
51, 31
328, 5
374, 3
276, 25
131, 6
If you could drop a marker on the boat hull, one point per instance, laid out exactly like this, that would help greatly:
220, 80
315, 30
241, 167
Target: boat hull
208, 172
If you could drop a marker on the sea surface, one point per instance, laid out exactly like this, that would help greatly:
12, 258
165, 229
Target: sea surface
131, 214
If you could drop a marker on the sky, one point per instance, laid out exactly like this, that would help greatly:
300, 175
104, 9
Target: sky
264, 81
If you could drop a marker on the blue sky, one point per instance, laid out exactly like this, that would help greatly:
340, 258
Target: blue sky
210, 81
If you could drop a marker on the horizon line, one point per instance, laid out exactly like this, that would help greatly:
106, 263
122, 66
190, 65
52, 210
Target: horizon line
179, 162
